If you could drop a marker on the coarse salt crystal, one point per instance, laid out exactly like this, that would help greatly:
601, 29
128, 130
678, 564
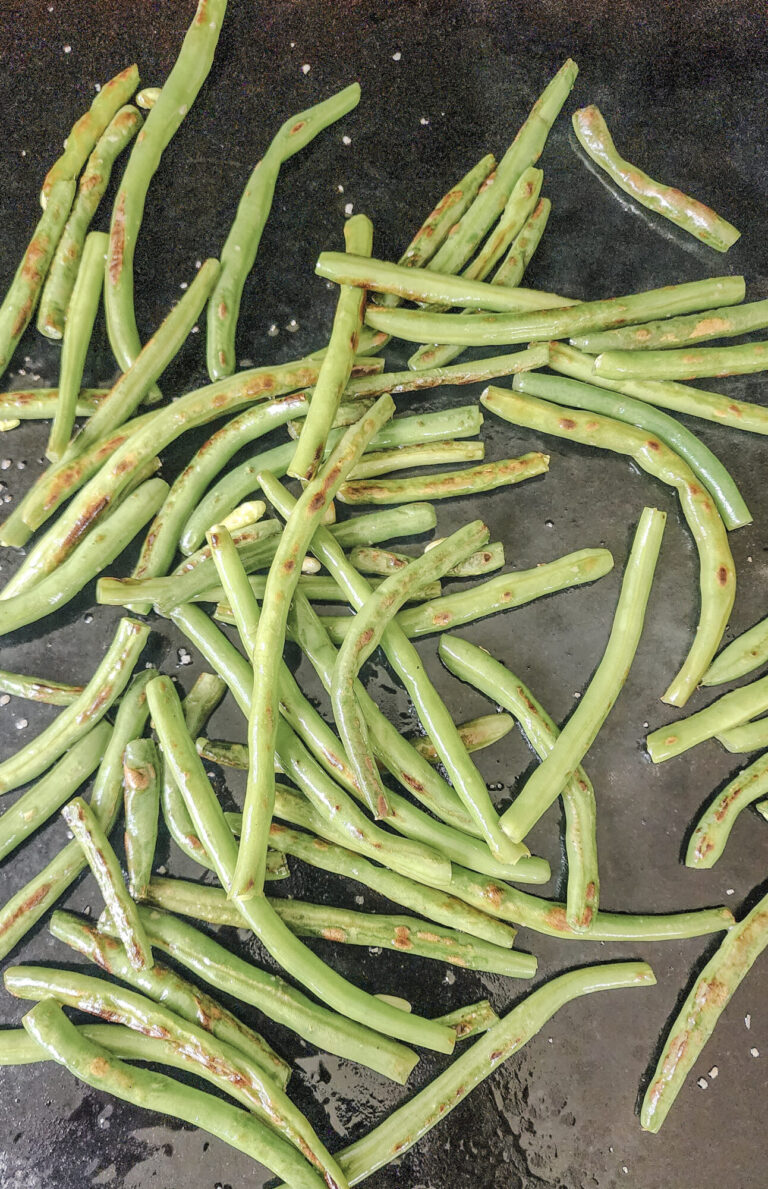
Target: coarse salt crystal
396, 57
748, 1022
423, 120
714, 1071
348, 208
346, 140
306, 68
753, 1052
702, 1083
22, 722
67, 49
5, 699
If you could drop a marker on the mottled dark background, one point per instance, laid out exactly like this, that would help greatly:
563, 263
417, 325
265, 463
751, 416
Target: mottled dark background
684, 89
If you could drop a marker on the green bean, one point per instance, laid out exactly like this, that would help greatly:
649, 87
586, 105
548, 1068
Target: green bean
316, 587
105, 866
370, 623
197, 707
696, 1020
155, 433
435, 288
438, 906
496, 594
97, 1067
689, 330
717, 581
548, 917
84, 304
141, 797
276, 998
19, 302
106, 685
40, 802
337, 362
242, 243
730, 710
472, 664
686, 364
228, 1068
18, 1048
510, 273
55, 300
176, 97
402, 933
258, 530
714, 826
151, 361
372, 561
97, 551
476, 734
39, 404
41, 892
38, 689
328, 799
686, 212
56, 484
270, 636
474, 372
681, 398
405, 1126
85, 133
471, 1020
686, 445
406, 662
525, 150
556, 319
462, 422
743, 655
446, 484
386, 462
750, 736
574, 741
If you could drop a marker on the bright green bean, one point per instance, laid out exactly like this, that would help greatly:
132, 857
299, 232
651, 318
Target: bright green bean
38, 689
141, 799
447, 484
686, 364
689, 330
743, 655
39, 404
730, 710
714, 826
750, 736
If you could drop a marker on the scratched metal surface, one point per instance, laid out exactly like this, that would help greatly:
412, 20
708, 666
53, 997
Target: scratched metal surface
684, 88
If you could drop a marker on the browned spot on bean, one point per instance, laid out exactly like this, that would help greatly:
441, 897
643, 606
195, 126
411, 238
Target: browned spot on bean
297, 127
722, 575
288, 565
403, 937
567, 423
652, 444
441, 618
222, 310
26, 906
333, 934
117, 240
99, 1067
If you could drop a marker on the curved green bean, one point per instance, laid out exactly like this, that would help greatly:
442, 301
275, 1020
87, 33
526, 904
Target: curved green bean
579, 733
242, 243
553, 321
743, 655
55, 299
486, 477
34, 807
685, 444
714, 826
686, 364
176, 97
85, 133
472, 664
20, 300
97, 1067
731, 710
685, 331
141, 799
496, 594
686, 212
106, 542
371, 621
41, 892
696, 1020
106, 685
717, 579
84, 304
680, 398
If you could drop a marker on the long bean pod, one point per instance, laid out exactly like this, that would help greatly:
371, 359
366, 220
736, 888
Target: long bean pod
19, 914
231, 1070
696, 1020
714, 826
667, 394
39, 404
141, 800
473, 664
370, 623
750, 736
270, 636
84, 304
686, 331
743, 655
433, 713
105, 866
55, 300
337, 361
19, 303
555, 321
97, 1067
447, 484
572, 744
423, 454
18, 1047
496, 594
476, 734
242, 243
176, 97
685, 364
370, 560
731, 710
38, 689
717, 579
686, 212
475, 371
685, 444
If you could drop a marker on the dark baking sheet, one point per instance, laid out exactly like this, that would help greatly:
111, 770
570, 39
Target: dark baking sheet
684, 87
